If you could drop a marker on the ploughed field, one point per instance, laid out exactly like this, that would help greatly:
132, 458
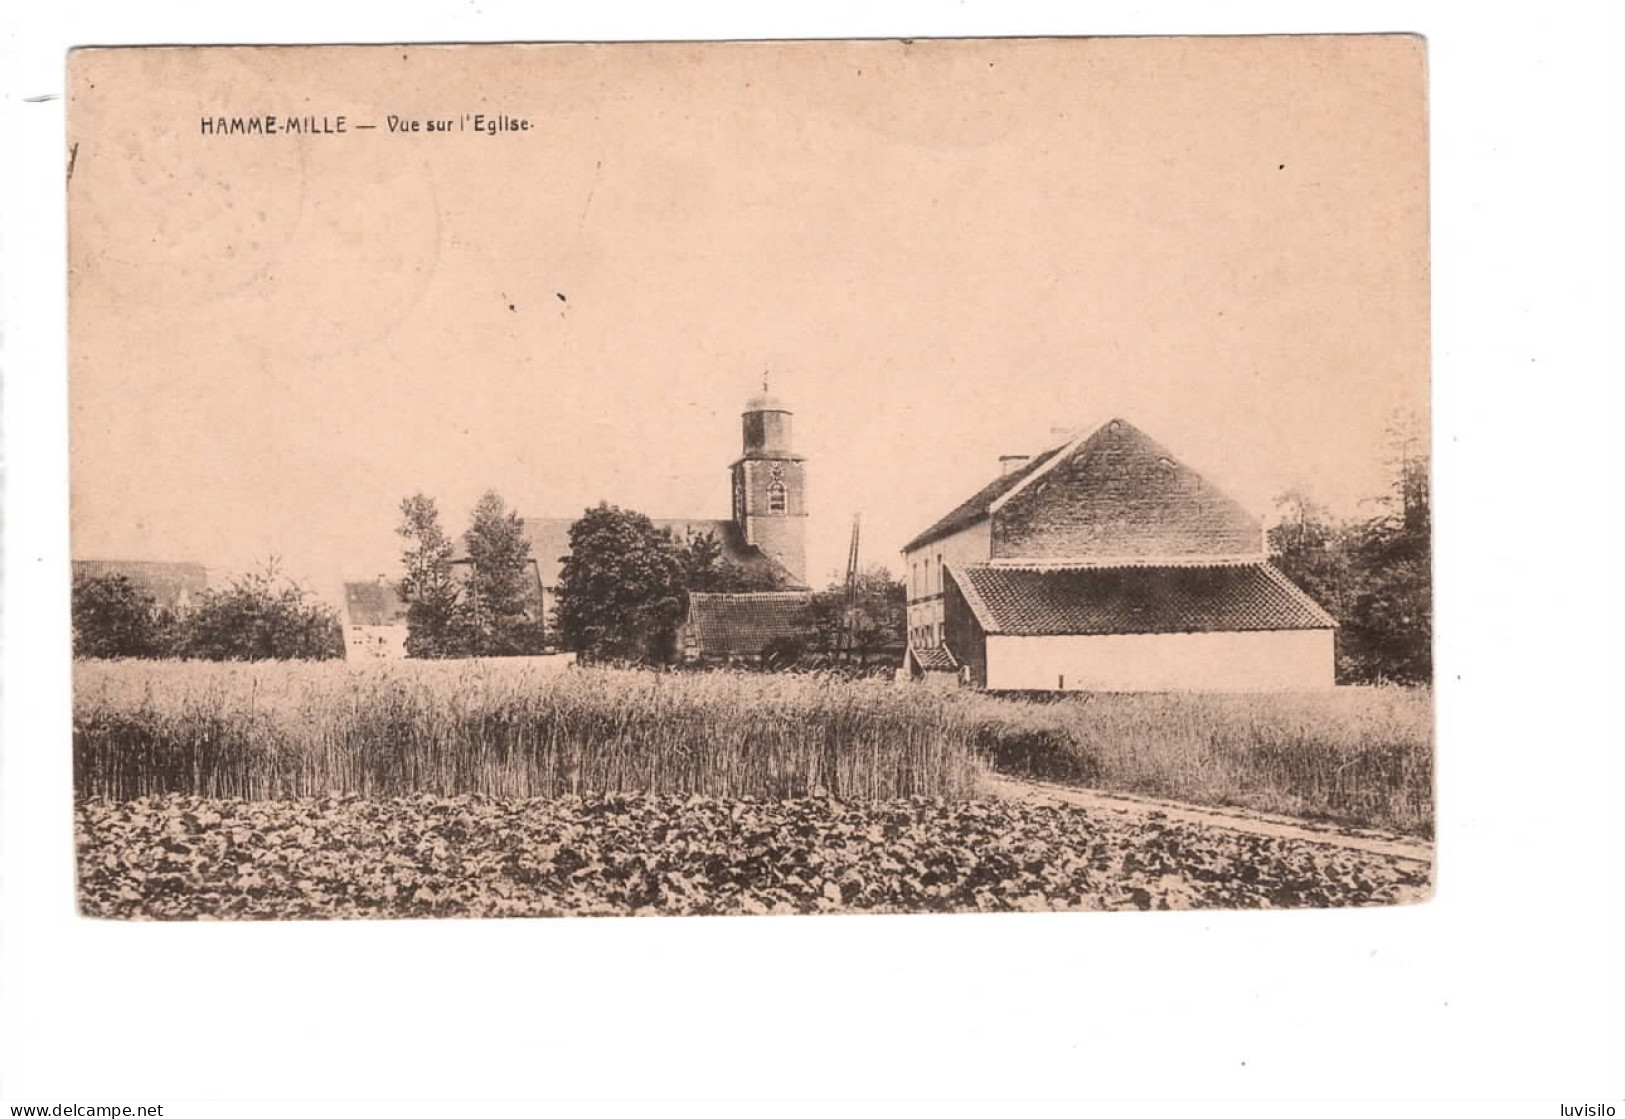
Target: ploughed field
488, 789
426, 856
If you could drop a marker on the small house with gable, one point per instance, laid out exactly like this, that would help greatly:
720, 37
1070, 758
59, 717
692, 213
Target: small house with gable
1105, 564
374, 621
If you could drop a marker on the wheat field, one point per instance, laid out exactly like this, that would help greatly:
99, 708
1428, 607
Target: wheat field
1361, 755
276, 730
273, 730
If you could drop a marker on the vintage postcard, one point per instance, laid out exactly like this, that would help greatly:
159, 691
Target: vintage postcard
750, 477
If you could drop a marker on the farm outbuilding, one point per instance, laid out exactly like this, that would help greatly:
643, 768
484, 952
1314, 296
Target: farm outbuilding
1104, 564
723, 628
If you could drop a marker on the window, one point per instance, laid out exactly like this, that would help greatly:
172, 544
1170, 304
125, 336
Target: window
777, 500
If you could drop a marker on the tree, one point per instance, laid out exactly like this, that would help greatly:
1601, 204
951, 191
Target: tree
500, 595
877, 620
706, 569
1389, 625
429, 586
112, 617
260, 616
1309, 547
621, 593
1374, 576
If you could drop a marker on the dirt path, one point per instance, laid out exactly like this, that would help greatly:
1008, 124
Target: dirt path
1389, 844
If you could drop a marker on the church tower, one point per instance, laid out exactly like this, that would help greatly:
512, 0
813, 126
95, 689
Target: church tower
770, 486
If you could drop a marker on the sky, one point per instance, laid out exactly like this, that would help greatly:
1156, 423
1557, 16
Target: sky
940, 251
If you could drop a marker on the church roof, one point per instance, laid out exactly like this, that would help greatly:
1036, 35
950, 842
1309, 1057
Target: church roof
767, 402
743, 625
550, 542
1033, 601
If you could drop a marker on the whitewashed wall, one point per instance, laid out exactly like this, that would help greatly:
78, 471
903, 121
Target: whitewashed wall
968, 545
1276, 660
374, 643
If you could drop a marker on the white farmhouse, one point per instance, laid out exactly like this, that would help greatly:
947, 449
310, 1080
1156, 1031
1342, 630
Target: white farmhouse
374, 621
1103, 564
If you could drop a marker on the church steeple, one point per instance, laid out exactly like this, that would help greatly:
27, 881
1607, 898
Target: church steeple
769, 484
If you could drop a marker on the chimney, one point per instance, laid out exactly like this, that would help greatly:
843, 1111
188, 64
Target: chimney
1007, 463
1064, 434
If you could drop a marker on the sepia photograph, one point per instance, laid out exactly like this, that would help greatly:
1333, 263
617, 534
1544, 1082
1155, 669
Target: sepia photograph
751, 478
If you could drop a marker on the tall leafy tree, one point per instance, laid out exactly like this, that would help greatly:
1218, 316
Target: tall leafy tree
500, 596
1389, 626
434, 625
621, 588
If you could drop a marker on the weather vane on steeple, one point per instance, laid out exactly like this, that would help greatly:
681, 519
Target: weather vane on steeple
764, 382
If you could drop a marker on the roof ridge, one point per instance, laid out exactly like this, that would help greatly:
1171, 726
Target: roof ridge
1068, 563
783, 593
1066, 451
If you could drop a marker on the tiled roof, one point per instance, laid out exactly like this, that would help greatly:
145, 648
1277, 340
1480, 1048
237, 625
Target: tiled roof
734, 549
171, 585
373, 603
975, 507
934, 658
1119, 494
550, 542
1113, 494
742, 625
1034, 601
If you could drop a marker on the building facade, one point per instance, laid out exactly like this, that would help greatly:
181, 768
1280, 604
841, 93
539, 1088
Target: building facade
374, 621
1104, 564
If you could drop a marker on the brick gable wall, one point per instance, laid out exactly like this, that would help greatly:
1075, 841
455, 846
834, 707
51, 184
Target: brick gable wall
1120, 495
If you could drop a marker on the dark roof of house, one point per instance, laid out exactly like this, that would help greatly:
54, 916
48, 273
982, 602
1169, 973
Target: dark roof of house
550, 542
374, 604
170, 584
1038, 601
742, 625
975, 508
1115, 494
934, 658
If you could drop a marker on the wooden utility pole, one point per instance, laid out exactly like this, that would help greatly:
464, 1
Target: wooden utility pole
850, 620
